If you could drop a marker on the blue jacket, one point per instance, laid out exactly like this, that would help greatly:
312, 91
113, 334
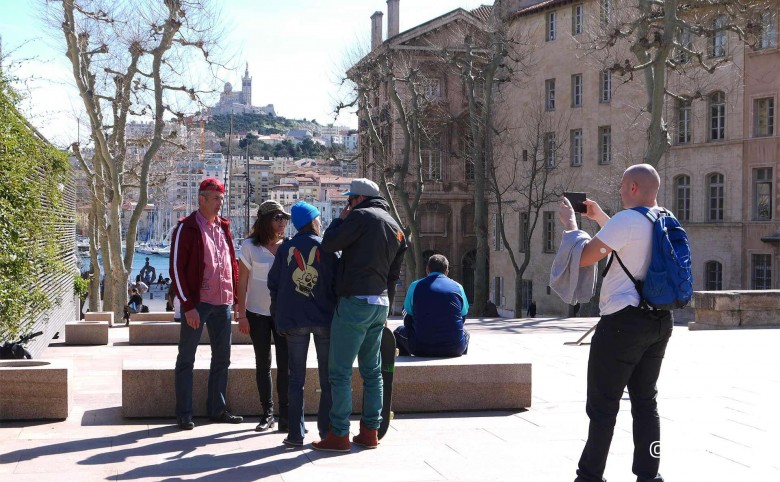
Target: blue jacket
301, 282
438, 306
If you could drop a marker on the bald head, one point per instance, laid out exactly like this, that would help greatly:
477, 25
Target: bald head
640, 186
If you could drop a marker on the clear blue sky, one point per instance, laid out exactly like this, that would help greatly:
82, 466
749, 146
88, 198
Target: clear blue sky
295, 50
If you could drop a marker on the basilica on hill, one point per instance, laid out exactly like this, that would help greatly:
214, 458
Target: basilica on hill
239, 102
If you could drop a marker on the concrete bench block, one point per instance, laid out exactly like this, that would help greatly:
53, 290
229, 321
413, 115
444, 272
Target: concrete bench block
729, 318
419, 386
752, 318
152, 316
34, 389
716, 300
717, 310
86, 333
100, 316
167, 333
759, 300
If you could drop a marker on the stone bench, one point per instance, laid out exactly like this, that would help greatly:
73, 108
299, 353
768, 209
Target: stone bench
86, 333
35, 389
107, 316
724, 310
152, 316
167, 333
491, 381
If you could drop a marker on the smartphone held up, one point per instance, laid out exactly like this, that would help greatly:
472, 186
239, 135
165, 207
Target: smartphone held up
576, 199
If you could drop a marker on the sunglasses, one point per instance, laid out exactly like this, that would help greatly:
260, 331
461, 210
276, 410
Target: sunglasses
279, 217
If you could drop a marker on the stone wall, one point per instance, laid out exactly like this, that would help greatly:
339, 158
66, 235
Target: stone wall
723, 310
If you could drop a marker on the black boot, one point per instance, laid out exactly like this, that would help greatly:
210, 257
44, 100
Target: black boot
266, 422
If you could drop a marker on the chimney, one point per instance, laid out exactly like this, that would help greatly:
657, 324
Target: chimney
392, 18
376, 30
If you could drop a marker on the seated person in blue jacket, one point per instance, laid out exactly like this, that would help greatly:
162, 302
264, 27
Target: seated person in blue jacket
436, 308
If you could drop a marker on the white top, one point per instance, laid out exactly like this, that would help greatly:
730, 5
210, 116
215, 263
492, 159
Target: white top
630, 234
258, 260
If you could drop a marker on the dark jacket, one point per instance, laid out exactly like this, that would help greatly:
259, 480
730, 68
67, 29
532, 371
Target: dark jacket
301, 283
372, 248
186, 263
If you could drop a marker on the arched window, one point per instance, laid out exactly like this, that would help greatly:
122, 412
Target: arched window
713, 276
717, 117
718, 39
715, 187
682, 197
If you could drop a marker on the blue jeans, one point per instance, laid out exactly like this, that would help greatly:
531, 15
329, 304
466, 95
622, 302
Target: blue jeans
297, 349
356, 332
217, 321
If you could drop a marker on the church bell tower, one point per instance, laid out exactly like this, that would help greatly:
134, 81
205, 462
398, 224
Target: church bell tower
246, 87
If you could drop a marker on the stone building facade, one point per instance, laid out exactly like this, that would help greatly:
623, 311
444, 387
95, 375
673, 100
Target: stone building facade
719, 177
445, 216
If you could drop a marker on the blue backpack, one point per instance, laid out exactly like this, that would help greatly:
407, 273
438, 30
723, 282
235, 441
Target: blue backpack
669, 281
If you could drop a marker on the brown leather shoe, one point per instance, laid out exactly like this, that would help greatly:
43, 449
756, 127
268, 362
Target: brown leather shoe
368, 437
333, 443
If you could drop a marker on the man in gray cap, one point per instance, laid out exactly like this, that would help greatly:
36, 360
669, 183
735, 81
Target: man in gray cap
372, 247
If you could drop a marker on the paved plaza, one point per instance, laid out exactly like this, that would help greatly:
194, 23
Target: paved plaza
718, 398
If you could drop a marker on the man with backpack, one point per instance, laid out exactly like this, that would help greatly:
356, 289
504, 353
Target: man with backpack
630, 340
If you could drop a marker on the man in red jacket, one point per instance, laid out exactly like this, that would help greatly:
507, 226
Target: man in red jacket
204, 272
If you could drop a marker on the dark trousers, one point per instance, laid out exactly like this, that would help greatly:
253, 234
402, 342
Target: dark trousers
298, 344
626, 351
261, 328
217, 321
404, 339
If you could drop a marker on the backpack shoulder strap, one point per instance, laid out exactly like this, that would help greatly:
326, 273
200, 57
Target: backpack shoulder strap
647, 212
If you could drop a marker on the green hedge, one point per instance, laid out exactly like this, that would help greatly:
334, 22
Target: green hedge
32, 174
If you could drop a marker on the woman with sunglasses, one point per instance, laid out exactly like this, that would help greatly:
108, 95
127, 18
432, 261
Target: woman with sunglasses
254, 309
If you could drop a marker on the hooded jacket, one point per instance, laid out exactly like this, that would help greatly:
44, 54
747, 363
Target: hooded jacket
301, 283
372, 249
186, 262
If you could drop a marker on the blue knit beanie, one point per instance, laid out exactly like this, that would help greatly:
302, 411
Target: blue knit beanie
302, 214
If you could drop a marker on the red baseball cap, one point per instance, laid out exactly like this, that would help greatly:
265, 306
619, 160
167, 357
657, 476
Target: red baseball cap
212, 184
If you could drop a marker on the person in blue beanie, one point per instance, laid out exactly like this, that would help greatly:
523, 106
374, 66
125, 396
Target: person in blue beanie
301, 282
436, 308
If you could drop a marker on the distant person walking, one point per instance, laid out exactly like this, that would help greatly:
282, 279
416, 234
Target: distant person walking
254, 310
301, 283
436, 308
531, 313
204, 272
372, 246
629, 343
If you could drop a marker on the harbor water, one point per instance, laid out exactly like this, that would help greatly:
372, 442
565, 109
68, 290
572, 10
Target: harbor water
159, 263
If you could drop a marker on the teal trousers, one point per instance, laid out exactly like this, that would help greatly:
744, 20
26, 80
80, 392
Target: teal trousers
356, 333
